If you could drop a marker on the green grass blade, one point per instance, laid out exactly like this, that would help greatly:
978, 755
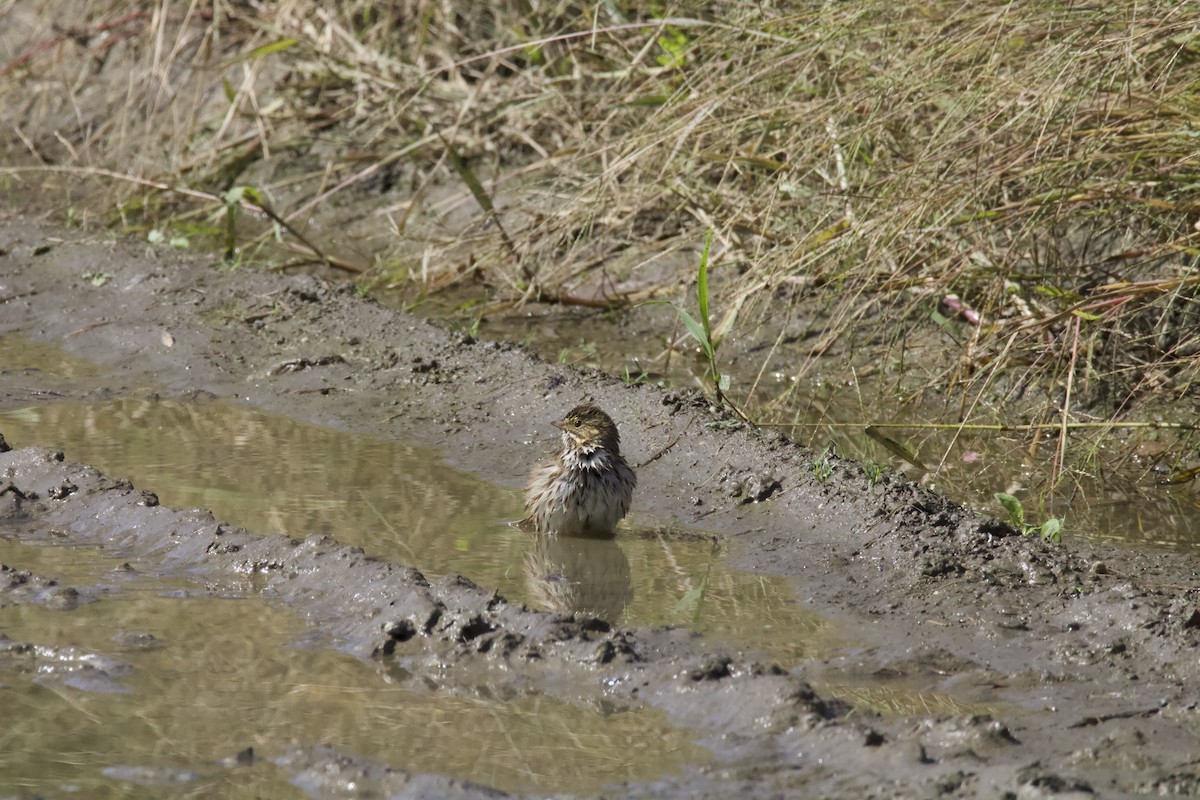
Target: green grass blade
702, 290
265, 50
696, 330
469, 178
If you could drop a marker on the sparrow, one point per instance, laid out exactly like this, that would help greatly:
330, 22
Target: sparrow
588, 486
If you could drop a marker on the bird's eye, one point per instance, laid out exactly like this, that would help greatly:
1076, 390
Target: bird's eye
577, 423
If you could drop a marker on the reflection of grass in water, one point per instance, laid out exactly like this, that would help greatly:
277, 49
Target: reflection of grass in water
271, 474
683, 580
20, 355
694, 598
656, 578
903, 702
226, 674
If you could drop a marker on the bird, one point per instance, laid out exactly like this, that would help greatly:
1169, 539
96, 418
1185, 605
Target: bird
586, 489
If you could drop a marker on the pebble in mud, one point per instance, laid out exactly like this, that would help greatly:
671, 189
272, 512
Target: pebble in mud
754, 487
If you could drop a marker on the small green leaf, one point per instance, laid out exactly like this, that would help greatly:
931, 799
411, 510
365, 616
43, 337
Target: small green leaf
273, 47
155, 236
1050, 291
723, 382
1016, 512
649, 100
230, 94
674, 44
696, 330
1052, 529
535, 54
234, 196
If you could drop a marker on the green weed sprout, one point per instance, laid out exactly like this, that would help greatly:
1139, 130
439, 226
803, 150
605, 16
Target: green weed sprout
233, 203
701, 330
1050, 530
822, 464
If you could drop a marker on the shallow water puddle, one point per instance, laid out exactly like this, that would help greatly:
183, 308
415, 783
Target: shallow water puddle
24, 361
188, 681
171, 708
272, 474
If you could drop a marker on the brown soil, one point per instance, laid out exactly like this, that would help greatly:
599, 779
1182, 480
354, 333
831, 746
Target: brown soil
1089, 650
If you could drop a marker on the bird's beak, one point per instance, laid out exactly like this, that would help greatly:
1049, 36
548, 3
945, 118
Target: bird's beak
576, 436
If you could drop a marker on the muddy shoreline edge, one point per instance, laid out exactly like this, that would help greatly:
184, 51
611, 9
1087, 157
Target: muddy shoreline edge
1083, 642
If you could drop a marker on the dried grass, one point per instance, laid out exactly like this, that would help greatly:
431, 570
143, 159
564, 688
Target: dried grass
1028, 170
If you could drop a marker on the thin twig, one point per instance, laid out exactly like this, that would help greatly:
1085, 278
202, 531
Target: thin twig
166, 187
662, 450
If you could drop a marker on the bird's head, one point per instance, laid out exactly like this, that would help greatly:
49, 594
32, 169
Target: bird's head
586, 427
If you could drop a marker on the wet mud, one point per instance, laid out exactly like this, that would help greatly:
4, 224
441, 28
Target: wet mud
1067, 669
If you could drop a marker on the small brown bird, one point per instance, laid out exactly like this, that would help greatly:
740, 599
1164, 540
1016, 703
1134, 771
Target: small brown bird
588, 486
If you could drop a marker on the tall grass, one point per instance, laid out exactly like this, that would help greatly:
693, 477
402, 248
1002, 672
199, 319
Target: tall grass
1023, 174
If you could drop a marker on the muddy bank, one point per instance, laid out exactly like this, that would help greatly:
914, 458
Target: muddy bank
1088, 651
